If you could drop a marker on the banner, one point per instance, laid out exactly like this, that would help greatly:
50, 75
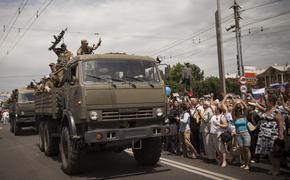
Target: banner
258, 93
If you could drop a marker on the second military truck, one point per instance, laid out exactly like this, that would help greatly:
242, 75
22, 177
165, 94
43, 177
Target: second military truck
106, 102
21, 110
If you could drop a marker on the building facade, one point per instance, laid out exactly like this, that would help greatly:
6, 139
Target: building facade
273, 75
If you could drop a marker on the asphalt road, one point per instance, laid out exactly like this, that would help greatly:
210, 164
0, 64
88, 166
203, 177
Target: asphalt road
21, 159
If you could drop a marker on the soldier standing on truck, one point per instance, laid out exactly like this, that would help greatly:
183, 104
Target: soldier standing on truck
63, 55
85, 49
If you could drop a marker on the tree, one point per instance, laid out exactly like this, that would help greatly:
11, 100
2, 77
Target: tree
233, 86
200, 86
175, 74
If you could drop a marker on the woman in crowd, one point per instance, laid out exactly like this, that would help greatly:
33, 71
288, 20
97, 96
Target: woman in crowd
217, 125
271, 136
239, 115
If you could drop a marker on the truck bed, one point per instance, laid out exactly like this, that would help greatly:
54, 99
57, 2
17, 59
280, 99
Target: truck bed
47, 104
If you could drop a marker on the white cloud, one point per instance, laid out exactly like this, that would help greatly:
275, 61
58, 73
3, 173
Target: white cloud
140, 27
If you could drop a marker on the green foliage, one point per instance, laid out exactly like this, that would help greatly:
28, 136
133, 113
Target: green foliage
233, 86
207, 86
200, 86
175, 74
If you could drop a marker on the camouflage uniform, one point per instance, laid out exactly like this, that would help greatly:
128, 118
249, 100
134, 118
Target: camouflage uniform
63, 55
52, 67
85, 49
63, 59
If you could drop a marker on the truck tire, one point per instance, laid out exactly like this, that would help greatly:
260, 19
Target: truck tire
40, 136
17, 128
50, 142
150, 152
70, 155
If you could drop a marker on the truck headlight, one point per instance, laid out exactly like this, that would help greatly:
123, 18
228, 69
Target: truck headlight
93, 115
159, 112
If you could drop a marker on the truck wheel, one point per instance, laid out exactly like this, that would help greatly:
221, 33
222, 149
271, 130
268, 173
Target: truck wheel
17, 128
70, 155
150, 152
50, 143
12, 126
40, 136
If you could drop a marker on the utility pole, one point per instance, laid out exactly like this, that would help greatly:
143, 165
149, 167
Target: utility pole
220, 50
237, 30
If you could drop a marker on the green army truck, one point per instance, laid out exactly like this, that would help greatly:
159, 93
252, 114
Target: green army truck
21, 110
108, 102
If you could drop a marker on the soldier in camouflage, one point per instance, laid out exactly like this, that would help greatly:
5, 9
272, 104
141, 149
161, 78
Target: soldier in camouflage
52, 67
85, 49
63, 55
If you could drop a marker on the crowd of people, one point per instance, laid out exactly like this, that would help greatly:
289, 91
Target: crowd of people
234, 130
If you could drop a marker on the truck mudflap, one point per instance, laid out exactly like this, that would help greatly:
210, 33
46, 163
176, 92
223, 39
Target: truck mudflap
109, 135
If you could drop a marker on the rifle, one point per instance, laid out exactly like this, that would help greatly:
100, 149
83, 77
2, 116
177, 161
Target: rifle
57, 39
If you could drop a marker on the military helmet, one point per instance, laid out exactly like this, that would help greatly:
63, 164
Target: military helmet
51, 64
63, 45
84, 41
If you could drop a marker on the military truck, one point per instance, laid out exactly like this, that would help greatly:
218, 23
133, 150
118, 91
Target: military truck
108, 102
21, 110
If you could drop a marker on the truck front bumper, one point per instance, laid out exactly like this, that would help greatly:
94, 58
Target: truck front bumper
109, 135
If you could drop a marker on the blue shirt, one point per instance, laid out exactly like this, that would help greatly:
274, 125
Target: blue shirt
241, 125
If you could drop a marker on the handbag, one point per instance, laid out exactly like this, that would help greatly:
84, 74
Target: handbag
251, 127
226, 137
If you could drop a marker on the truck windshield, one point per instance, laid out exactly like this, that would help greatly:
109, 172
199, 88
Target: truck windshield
120, 71
25, 97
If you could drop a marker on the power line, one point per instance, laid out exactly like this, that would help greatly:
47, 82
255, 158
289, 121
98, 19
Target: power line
267, 18
19, 10
225, 19
188, 54
53, 30
189, 37
38, 13
263, 5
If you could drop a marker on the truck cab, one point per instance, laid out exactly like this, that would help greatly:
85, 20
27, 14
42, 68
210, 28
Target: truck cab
22, 110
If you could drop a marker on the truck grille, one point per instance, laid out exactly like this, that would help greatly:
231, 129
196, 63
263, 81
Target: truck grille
28, 113
127, 114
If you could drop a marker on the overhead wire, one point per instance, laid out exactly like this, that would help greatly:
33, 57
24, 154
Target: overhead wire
178, 42
37, 15
189, 37
18, 13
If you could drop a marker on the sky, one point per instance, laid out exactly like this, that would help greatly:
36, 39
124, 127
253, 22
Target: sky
178, 31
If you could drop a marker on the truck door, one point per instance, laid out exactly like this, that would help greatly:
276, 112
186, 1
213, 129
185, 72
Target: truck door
73, 90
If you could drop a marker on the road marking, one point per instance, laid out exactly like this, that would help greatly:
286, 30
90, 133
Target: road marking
192, 169
204, 171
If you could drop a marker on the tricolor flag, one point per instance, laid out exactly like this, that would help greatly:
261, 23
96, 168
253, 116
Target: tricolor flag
258, 93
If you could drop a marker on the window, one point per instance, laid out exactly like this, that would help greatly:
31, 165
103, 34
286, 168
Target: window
73, 73
25, 97
120, 70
